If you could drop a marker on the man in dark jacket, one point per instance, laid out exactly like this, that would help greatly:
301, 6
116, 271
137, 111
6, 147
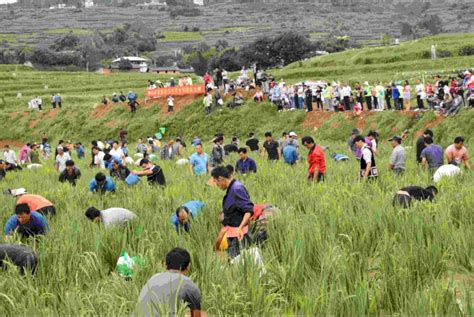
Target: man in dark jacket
405, 196
420, 143
71, 174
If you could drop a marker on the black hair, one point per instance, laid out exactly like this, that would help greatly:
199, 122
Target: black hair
458, 139
61, 142
307, 140
144, 161
107, 157
432, 189
182, 208
242, 150
234, 139
429, 132
178, 259
373, 134
2, 161
251, 134
268, 134
222, 171
100, 177
428, 140
218, 139
115, 142
69, 163
96, 148
284, 133
22, 209
92, 213
358, 138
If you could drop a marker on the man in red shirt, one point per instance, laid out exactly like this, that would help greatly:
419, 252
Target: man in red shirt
316, 160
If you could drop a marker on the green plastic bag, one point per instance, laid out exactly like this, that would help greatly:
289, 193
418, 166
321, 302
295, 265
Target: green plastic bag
162, 130
126, 264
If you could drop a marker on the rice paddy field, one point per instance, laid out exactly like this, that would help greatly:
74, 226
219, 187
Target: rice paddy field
335, 248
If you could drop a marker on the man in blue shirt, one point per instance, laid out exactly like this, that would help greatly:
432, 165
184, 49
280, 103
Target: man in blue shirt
101, 184
183, 215
80, 151
110, 159
290, 153
26, 223
199, 162
245, 164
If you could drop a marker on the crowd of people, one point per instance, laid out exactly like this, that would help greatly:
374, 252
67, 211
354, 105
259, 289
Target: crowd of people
239, 213
446, 95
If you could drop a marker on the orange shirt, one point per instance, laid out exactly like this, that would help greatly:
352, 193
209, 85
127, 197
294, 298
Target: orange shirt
35, 202
317, 161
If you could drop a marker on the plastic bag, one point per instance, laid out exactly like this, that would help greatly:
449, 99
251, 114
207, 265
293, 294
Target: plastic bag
126, 264
252, 254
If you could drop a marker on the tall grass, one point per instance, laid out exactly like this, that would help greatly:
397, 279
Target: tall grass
337, 248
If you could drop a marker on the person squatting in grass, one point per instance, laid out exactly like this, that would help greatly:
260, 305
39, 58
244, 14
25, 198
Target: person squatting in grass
165, 292
21, 256
181, 219
119, 171
35, 202
26, 223
316, 160
405, 196
71, 174
3, 169
101, 184
237, 210
457, 154
110, 217
154, 173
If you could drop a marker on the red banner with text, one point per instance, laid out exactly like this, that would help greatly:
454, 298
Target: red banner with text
175, 91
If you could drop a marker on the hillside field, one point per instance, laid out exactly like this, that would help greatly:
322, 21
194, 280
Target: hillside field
336, 248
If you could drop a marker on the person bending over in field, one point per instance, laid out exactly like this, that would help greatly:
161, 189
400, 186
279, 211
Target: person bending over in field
110, 217
163, 294
119, 171
237, 209
3, 169
183, 215
101, 184
35, 202
26, 223
154, 173
71, 174
404, 197
21, 256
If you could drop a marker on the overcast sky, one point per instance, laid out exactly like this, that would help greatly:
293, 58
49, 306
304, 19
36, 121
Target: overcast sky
7, 1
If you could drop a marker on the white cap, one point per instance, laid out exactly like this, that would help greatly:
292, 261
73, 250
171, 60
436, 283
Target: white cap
60, 148
18, 192
292, 134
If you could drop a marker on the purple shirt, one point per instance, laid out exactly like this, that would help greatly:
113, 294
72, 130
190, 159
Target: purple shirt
236, 204
246, 166
434, 155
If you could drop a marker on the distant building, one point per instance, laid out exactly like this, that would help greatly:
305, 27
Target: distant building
137, 63
88, 3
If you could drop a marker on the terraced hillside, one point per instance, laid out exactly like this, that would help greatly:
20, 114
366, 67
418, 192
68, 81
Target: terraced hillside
238, 24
